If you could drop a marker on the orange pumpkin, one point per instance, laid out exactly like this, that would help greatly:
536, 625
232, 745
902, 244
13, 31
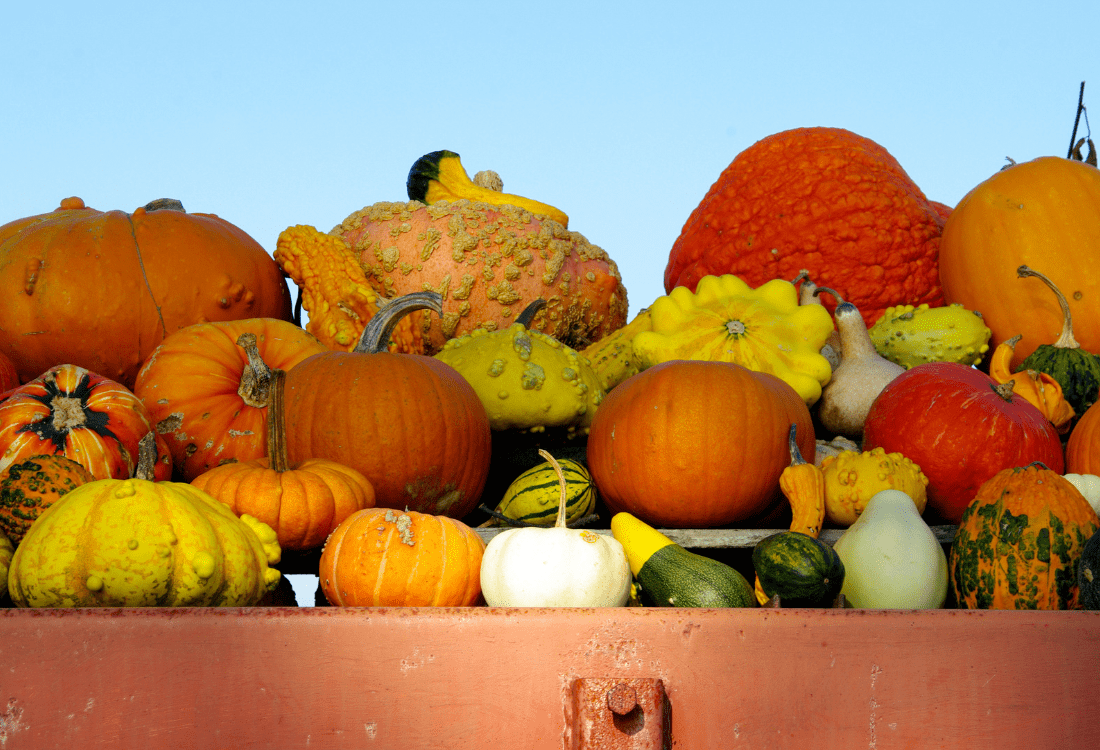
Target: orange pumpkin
9, 377
30, 486
84, 416
821, 199
410, 423
696, 444
488, 262
102, 289
1083, 446
1044, 213
303, 503
206, 388
386, 558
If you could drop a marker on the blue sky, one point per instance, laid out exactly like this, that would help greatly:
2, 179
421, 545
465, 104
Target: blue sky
620, 114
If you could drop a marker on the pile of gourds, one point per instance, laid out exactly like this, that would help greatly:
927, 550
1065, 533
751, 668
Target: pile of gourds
782, 383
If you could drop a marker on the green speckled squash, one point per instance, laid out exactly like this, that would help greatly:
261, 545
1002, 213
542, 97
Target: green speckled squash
533, 497
30, 486
136, 543
1019, 542
802, 570
1076, 370
911, 335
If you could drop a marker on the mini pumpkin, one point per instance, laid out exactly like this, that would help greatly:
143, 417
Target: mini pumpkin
30, 486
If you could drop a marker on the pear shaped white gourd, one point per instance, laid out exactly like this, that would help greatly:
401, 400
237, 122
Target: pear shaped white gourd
892, 559
556, 566
1089, 486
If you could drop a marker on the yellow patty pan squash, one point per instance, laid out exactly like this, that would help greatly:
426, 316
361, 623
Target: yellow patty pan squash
136, 543
725, 320
527, 380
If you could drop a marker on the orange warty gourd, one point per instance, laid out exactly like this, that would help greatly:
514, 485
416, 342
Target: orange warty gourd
303, 502
824, 200
488, 262
695, 444
30, 486
102, 289
382, 557
206, 387
1044, 213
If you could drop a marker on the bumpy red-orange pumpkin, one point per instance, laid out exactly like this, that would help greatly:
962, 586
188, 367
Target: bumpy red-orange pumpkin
81, 415
821, 199
208, 394
303, 502
1019, 542
382, 557
488, 262
30, 486
102, 289
1045, 214
696, 444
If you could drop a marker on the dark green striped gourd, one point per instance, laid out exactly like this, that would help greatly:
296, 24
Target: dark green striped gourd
533, 497
1076, 370
802, 570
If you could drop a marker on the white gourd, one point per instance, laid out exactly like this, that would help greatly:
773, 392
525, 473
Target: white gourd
892, 559
1089, 486
556, 566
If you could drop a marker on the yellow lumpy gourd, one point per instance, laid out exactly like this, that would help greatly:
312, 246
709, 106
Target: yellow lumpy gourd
852, 478
136, 543
911, 335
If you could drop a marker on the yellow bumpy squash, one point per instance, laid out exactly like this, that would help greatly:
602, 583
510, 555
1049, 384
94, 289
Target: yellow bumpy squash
762, 329
852, 478
526, 380
911, 335
612, 357
136, 543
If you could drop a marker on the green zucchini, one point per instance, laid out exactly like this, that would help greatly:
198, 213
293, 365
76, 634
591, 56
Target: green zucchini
671, 576
804, 571
533, 496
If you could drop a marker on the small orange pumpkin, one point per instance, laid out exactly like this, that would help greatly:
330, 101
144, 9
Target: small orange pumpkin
694, 444
302, 503
30, 486
382, 557
1083, 446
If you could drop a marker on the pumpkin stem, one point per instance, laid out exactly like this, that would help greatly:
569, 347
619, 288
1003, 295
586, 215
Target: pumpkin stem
147, 457
530, 311
1066, 340
1077, 120
276, 423
560, 523
1005, 389
379, 329
256, 377
164, 204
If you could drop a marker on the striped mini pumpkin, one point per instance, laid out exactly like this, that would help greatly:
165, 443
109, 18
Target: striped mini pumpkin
533, 497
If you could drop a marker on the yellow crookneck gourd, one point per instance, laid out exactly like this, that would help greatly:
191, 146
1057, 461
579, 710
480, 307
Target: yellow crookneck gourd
725, 320
1041, 389
440, 176
525, 379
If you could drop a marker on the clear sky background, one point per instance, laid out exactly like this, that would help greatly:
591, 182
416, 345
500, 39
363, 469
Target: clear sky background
620, 114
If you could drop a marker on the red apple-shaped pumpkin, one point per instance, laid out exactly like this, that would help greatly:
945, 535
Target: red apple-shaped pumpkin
961, 427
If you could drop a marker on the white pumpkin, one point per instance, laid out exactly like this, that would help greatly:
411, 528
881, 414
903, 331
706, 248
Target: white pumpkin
892, 560
1089, 486
554, 567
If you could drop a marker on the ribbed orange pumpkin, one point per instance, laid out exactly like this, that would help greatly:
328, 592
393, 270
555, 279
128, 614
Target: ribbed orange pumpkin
30, 486
385, 558
821, 199
694, 444
1044, 213
303, 503
82, 415
1083, 446
410, 423
1019, 542
207, 393
102, 289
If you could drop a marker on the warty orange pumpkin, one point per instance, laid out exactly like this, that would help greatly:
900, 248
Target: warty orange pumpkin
695, 444
102, 289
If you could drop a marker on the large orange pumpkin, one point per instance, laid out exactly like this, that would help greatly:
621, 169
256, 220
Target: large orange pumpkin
381, 557
821, 199
488, 262
102, 289
410, 423
1044, 213
206, 387
694, 444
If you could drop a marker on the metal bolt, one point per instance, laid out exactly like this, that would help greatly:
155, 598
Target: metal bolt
622, 699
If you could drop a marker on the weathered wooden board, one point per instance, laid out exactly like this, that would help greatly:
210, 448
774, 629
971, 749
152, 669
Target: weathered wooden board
499, 678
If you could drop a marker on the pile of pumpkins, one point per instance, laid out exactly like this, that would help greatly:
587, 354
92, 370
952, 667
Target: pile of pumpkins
885, 374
